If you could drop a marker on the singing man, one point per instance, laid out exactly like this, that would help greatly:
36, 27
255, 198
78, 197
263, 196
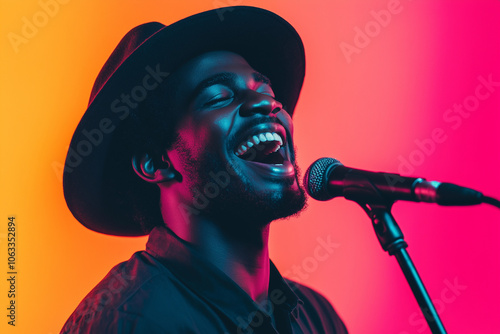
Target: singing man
188, 137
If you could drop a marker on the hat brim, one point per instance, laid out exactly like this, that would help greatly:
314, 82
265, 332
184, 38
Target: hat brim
268, 43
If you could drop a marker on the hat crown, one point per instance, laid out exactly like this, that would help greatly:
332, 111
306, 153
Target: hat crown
128, 44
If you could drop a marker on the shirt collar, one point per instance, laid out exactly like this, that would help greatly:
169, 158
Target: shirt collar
213, 285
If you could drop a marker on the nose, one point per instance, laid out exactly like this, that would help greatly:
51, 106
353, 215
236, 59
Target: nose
257, 103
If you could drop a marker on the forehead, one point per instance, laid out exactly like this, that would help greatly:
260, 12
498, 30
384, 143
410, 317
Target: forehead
205, 66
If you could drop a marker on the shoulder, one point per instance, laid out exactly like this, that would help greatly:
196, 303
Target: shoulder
110, 321
316, 309
128, 299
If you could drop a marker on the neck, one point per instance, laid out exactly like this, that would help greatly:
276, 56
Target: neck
244, 258
242, 254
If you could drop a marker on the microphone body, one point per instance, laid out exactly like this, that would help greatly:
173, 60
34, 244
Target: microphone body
327, 178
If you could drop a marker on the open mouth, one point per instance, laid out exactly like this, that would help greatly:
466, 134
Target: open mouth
266, 147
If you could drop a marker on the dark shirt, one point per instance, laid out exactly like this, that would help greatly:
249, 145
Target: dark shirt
170, 288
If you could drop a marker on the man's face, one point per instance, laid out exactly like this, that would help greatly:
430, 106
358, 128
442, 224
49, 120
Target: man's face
234, 148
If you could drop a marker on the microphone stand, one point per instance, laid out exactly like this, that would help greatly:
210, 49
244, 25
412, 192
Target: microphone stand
392, 241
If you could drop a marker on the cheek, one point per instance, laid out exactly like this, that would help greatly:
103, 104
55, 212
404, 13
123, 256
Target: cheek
285, 118
213, 129
190, 145
198, 139
192, 135
206, 133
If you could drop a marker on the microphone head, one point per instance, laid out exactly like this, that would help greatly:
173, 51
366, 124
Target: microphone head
316, 178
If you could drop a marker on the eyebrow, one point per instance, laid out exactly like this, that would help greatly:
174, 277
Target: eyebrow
227, 79
259, 77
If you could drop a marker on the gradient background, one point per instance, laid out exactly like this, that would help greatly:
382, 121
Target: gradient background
368, 112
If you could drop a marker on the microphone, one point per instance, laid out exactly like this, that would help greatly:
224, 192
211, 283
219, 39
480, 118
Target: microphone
327, 178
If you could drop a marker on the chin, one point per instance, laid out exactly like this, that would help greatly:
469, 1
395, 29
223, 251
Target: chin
255, 200
249, 209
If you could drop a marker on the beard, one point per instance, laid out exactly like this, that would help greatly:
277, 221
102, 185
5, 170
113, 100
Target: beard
225, 195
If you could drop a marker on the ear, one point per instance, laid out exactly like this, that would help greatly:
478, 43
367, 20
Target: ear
153, 171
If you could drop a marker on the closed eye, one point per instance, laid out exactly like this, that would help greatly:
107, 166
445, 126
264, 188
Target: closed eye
218, 101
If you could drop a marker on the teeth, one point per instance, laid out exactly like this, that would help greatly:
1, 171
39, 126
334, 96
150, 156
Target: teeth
260, 138
241, 150
278, 138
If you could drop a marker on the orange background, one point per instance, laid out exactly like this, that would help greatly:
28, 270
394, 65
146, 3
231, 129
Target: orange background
369, 110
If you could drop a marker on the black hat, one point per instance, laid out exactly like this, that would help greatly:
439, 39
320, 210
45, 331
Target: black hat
93, 188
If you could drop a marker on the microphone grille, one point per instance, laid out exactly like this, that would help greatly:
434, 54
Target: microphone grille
315, 178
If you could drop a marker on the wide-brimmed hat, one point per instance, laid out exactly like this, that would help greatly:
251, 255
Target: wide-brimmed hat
102, 191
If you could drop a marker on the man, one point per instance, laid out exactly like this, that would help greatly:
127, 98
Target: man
186, 139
